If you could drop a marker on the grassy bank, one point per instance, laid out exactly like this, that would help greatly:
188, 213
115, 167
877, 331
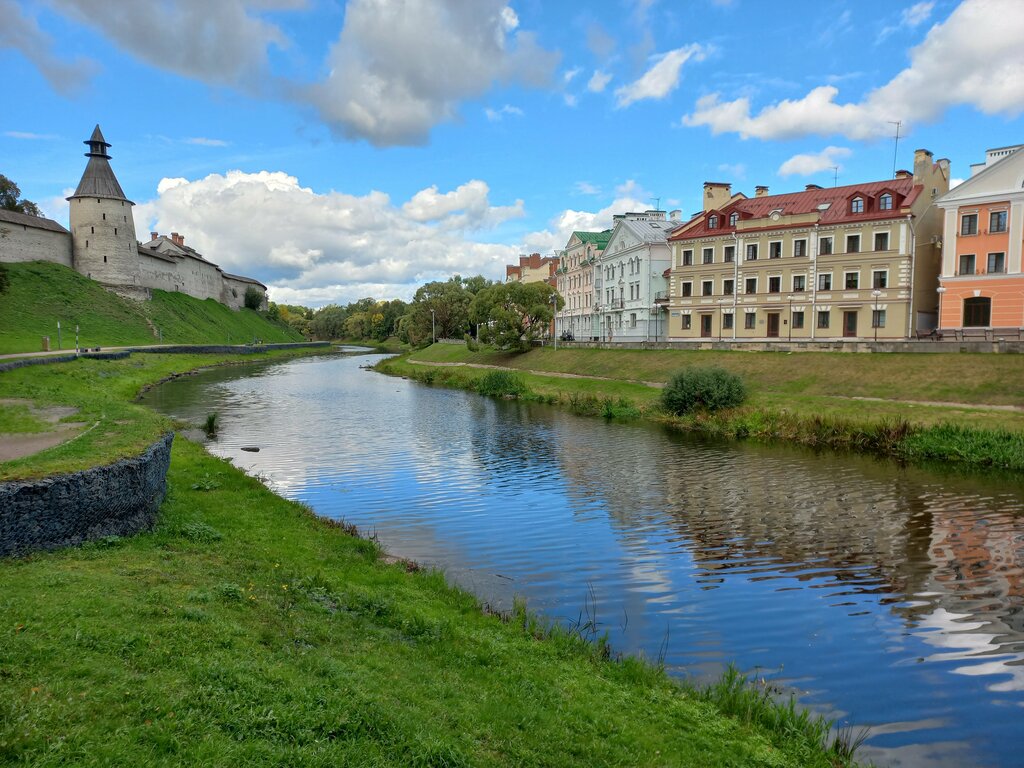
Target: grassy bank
41, 294
244, 630
807, 398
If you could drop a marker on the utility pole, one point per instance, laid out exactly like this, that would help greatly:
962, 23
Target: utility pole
896, 147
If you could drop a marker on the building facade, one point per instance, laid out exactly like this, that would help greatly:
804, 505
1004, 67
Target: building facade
577, 283
982, 283
102, 245
852, 262
532, 269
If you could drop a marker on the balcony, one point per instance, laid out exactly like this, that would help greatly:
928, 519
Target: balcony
616, 304
661, 297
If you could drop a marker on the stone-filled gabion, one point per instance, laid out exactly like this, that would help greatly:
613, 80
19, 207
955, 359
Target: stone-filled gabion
120, 499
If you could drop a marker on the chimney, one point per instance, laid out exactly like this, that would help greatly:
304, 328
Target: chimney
153, 236
922, 165
902, 174
175, 237
810, 187
760, 191
716, 195
675, 215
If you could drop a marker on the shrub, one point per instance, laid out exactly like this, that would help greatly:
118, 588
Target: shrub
703, 389
471, 343
253, 297
501, 384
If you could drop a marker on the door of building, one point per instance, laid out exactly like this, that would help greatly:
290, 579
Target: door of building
705, 326
849, 324
773, 325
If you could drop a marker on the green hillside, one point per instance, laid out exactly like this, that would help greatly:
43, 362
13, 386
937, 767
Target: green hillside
42, 294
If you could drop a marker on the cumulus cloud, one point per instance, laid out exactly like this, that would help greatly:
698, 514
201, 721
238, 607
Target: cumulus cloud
910, 18
808, 164
29, 136
22, 33
974, 58
438, 54
662, 78
494, 115
586, 188
629, 196
314, 247
598, 81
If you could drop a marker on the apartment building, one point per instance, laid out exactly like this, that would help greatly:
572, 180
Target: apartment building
854, 262
532, 269
576, 284
982, 284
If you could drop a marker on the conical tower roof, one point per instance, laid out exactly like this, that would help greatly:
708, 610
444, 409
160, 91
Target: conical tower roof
98, 179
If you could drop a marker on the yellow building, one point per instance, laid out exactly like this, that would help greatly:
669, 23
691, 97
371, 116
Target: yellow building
851, 262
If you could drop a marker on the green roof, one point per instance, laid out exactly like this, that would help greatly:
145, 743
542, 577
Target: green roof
598, 238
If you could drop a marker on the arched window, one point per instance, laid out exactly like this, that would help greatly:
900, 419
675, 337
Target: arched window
733, 218
857, 205
712, 222
885, 202
977, 311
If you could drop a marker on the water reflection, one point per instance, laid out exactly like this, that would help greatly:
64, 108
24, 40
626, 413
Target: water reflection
883, 596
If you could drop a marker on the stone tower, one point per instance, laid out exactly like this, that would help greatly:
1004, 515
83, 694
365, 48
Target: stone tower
102, 230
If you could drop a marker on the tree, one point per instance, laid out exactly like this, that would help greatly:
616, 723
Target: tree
513, 315
11, 200
328, 322
253, 297
449, 301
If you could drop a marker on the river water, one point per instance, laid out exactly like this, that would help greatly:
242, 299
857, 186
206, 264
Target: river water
881, 596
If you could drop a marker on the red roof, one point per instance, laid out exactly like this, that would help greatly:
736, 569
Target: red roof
837, 199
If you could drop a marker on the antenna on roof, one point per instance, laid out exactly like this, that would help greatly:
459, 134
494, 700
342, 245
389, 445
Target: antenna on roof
657, 202
895, 149
835, 175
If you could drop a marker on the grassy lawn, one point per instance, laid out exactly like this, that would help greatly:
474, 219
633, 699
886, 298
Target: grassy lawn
246, 631
41, 294
19, 419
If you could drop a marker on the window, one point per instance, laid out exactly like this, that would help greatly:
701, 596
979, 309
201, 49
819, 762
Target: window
799, 247
881, 241
997, 221
712, 222
733, 218
750, 320
977, 311
825, 281
775, 250
997, 262
969, 224
885, 202
728, 287
686, 322
751, 251
707, 288
687, 258
823, 317
878, 318
799, 283
632, 319
730, 253
751, 285
687, 289
92, 230
825, 246
104, 217
966, 264
852, 281
709, 256
880, 278
774, 285
798, 320
727, 322
853, 243
857, 205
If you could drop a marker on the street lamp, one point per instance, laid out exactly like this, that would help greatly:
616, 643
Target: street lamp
876, 293
790, 297
433, 333
554, 309
940, 290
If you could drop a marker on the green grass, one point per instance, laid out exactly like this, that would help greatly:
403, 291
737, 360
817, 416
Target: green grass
246, 631
41, 294
18, 419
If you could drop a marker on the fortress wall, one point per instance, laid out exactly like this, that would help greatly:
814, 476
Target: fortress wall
22, 243
200, 279
234, 293
158, 273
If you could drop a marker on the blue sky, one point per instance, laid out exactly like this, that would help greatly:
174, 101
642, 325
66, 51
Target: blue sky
345, 149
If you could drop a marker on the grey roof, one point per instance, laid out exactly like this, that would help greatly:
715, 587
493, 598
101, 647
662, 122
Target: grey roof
656, 231
97, 137
99, 181
245, 279
31, 221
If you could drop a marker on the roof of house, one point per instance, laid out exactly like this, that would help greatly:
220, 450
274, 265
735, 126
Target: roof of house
650, 231
242, 279
98, 180
597, 238
27, 220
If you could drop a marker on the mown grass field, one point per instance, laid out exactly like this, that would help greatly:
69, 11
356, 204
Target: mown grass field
246, 631
41, 294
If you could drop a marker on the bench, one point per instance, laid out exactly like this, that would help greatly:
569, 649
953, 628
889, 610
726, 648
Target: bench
934, 334
974, 334
1009, 334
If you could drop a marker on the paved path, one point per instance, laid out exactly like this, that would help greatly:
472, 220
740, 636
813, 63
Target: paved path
53, 352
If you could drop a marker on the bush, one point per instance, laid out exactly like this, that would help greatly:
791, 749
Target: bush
253, 297
471, 343
501, 384
703, 389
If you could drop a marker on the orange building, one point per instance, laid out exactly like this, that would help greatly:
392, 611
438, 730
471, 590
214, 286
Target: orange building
981, 292
532, 269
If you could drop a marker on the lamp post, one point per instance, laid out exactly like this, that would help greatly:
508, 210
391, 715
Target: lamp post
940, 290
433, 333
790, 321
554, 309
876, 293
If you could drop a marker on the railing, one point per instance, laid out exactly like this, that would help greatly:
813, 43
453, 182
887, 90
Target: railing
617, 304
661, 297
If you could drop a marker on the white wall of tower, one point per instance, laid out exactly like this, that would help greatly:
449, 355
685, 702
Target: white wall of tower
103, 240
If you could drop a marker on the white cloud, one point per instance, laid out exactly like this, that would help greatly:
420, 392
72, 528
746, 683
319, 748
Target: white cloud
736, 170
600, 43
494, 115
22, 33
598, 81
313, 247
29, 136
910, 18
628, 197
662, 77
955, 182
973, 58
808, 164
438, 54
570, 74
586, 188
205, 142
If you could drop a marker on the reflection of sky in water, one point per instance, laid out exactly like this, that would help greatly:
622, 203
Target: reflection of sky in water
883, 597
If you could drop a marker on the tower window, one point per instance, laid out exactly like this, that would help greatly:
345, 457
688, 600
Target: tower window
104, 217
86, 243
104, 258
115, 230
92, 230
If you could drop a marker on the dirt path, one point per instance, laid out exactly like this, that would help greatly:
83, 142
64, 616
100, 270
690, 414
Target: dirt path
661, 385
26, 443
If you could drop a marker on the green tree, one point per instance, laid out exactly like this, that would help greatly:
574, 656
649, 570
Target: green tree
328, 322
449, 300
11, 200
253, 297
513, 315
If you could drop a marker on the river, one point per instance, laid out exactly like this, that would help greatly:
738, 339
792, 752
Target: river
881, 596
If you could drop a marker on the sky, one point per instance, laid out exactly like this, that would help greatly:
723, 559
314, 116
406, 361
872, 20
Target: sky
336, 150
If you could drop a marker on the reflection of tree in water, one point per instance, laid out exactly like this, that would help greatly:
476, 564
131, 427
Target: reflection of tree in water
511, 439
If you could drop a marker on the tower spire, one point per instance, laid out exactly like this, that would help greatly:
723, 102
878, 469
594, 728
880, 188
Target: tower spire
97, 144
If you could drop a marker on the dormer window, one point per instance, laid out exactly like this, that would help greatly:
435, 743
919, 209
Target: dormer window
712, 222
857, 205
733, 218
885, 202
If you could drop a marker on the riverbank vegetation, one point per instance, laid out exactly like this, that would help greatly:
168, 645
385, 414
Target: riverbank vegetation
946, 408
246, 630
